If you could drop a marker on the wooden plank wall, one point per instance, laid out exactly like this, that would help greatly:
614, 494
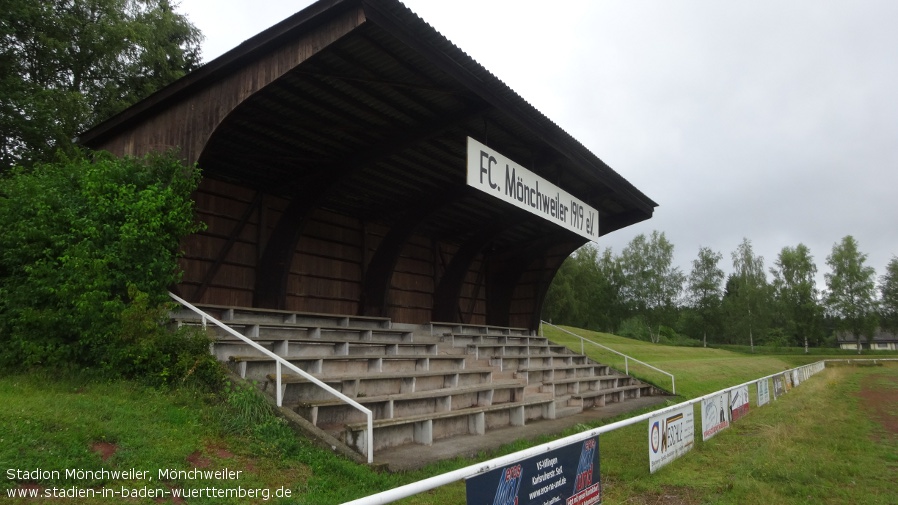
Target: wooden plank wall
328, 266
326, 273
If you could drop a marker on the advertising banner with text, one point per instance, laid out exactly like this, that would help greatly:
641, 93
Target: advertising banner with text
494, 174
763, 392
567, 476
671, 435
715, 414
738, 403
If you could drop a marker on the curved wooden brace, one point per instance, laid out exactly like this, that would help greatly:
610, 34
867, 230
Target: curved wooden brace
376, 286
504, 277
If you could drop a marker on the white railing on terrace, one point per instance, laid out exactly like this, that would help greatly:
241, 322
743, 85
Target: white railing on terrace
627, 359
421, 486
279, 362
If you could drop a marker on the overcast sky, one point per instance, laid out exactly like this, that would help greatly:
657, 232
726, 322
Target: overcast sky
771, 120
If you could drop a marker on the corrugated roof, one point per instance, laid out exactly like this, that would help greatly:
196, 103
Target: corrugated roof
383, 114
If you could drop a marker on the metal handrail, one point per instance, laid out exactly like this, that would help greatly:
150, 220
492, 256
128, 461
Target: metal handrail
673, 383
279, 362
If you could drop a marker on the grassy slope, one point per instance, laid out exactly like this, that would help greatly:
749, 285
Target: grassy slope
783, 452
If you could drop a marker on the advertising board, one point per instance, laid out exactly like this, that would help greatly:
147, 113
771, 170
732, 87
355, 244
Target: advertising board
567, 476
763, 392
715, 415
738, 402
671, 435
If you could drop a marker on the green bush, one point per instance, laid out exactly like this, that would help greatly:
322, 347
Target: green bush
90, 247
634, 327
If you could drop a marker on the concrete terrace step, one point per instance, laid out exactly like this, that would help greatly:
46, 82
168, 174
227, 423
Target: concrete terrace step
464, 339
577, 385
481, 351
228, 345
537, 361
333, 412
539, 374
298, 388
425, 429
441, 328
258, 315
257, 367
295, 331
599, 398
423, 383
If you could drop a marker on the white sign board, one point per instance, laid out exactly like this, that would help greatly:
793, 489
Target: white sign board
715, 414
763, 392
670, 436
494, 174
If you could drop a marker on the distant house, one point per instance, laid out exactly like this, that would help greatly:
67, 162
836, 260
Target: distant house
882, 341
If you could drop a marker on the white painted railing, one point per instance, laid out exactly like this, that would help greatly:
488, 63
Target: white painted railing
281, 362
422, 486
627, 359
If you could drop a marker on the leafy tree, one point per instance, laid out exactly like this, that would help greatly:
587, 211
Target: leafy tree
90, 249
68, 64
851, 295
795, 289
584, 291
704, 288
651, 285
748, 294
888, 288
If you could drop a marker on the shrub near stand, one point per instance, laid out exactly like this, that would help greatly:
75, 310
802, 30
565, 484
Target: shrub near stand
90, 246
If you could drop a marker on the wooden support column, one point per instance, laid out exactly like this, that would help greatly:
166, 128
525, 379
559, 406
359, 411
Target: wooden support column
376, 286
506, 268
223, 253
273, 269
448, 291
550, 269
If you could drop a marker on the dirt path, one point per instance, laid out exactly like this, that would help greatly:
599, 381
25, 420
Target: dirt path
879, 397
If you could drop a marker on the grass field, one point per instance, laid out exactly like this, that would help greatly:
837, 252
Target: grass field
824, 442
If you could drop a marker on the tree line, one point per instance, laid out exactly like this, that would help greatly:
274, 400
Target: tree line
641, 294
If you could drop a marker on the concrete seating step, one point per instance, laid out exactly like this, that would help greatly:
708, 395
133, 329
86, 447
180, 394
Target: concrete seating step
576, 385
331, 411
481, 351
257, 367
288, 331
229, 345
518, 362
298, 388
258, 315
465, 339
600, 398
442, 328
424, 429
538, 374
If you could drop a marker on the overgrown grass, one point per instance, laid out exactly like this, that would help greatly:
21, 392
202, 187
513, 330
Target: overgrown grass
814, 445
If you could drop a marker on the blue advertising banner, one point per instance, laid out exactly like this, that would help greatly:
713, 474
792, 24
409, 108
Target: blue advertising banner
568, 475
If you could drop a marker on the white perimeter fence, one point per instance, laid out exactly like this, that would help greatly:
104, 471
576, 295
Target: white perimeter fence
788, 378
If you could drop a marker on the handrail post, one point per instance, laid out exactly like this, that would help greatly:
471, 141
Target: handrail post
279, 395
627, 365
370, 436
